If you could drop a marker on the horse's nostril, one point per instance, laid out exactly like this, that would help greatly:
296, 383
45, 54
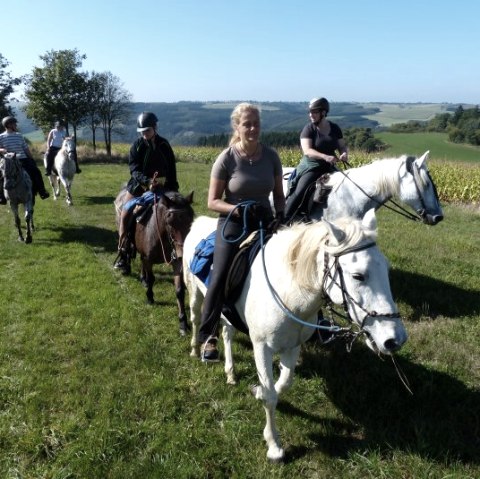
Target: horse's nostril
391, 345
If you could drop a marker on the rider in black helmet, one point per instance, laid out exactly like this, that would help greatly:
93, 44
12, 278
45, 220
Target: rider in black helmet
320, 140
152, 168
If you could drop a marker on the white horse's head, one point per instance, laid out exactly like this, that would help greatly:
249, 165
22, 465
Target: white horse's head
359, 278
418, 190
69, 145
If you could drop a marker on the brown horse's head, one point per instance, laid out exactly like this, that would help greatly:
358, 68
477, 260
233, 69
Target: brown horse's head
178, 217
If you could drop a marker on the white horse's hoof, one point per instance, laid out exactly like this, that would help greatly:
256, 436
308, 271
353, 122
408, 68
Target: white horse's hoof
275, 454
195, 352
231, 380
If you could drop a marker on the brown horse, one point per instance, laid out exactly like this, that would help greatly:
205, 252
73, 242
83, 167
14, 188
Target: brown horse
159, 239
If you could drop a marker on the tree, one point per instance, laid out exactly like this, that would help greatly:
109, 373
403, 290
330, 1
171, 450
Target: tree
114, 107
94, 95
7, 84
57, 91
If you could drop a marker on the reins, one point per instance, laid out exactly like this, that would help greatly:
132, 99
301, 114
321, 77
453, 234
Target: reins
399, 208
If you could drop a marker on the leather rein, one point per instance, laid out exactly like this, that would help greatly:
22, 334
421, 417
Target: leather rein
413, 170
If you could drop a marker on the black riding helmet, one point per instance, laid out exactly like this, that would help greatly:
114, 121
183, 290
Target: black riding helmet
146, 120
319, 104
7, 120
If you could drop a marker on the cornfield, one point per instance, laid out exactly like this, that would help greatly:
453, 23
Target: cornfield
457, 182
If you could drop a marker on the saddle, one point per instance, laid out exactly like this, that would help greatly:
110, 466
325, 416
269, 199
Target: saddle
201, 266
317, 192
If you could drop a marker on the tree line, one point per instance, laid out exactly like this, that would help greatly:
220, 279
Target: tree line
461, 126
59, 91
361, 139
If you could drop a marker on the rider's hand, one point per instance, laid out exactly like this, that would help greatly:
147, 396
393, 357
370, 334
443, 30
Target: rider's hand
276, 222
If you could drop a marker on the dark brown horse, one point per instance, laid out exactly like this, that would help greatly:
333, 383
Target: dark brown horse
159, 239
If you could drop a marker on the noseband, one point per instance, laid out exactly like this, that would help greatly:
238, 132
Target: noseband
413, 169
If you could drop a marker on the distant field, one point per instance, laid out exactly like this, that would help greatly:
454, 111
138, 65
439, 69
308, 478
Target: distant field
440, 148
391, 113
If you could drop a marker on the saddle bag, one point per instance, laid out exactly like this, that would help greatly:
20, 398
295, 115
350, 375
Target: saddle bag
321, 192
201, 263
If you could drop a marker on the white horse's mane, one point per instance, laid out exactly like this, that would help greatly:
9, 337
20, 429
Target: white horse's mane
386, 172
309, 239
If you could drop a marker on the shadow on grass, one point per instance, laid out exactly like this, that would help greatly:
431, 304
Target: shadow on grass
93, 236
441, 298
99, 200
440, 421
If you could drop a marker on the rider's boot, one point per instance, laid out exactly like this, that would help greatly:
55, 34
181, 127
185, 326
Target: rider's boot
122, 262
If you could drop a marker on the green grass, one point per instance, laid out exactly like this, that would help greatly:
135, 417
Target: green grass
438, 144
95, 383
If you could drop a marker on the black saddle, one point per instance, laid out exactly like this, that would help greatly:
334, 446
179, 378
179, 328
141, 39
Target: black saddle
316, 193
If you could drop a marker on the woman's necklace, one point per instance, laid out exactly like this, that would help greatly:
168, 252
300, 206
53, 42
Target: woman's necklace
248, 157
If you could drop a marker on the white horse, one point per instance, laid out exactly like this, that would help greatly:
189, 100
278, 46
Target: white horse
64, 169
300, 264
17, 187
356, 190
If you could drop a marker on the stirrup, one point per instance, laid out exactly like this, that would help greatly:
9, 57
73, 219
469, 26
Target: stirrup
209, 351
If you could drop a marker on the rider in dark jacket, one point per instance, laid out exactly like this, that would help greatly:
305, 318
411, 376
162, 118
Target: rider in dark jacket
152, 168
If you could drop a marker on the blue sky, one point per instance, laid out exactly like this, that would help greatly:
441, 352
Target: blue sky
262, 50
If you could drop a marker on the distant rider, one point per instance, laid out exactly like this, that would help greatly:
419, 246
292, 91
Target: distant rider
13, 142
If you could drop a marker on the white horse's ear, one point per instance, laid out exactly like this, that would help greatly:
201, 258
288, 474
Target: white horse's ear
369, 221
334, 231
422, 159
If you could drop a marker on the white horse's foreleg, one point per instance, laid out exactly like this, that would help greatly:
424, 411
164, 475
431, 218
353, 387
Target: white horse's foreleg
267, 394
288, 361
228, 332
69, 195
28, 222
195, 302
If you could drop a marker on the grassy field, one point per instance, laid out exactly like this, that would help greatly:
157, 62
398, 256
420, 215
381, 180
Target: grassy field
440, 148
95, 383
391, 113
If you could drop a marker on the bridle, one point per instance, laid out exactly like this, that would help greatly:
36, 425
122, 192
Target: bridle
169, 230
329, 273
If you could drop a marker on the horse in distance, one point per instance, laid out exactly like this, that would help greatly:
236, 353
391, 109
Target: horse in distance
64, 169
17, 187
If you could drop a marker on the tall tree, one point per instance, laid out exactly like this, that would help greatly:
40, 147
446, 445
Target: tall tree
95, 89
7, 84
57, 91
114, 107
